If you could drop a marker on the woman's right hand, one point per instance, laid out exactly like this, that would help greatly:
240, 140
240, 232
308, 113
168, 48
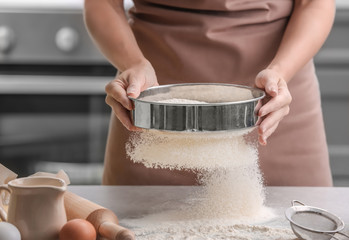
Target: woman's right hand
130, 83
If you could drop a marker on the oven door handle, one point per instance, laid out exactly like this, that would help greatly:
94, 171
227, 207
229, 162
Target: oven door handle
60, 85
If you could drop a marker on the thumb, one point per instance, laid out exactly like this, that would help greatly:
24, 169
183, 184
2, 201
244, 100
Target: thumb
134, 88
268, 81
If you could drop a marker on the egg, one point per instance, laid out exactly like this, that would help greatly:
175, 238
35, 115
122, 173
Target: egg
77, 229
9, 232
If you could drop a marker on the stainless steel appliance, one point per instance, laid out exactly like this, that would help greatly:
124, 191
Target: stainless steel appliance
52, 78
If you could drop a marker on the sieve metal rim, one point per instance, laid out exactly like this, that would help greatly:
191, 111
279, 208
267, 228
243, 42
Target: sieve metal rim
230, 115
304, 208
199, 104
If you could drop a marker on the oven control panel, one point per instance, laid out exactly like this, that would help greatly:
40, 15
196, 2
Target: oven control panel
46, 37
67, 39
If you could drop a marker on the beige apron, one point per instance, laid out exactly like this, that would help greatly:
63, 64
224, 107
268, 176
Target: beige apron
226, 41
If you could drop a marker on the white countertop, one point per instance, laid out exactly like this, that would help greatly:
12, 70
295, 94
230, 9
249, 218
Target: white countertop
136, 201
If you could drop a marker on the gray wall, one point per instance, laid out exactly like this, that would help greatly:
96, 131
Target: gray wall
332, 63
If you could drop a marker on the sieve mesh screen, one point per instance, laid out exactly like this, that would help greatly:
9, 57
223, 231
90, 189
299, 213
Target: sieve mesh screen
314, 221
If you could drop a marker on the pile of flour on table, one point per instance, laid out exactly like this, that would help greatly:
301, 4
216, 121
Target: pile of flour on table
230, 205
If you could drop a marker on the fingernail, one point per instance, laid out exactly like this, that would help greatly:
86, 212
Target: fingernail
130, 91
264, 140
261, 142
136, 129
273, 90
129, 106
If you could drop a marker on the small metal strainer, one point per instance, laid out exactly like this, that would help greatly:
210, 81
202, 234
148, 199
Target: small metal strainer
311, 223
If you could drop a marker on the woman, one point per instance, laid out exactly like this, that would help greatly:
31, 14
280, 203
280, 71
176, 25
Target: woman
266, 43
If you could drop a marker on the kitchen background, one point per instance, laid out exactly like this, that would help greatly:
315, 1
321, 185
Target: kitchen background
52, 110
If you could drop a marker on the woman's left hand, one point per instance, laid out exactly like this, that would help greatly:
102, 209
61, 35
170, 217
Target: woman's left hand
277, 107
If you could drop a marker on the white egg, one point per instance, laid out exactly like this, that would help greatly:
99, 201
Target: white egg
9, 232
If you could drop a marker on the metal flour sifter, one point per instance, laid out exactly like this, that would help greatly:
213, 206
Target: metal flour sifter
312, 223
218, 107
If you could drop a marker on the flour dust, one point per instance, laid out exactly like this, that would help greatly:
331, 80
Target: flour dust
231, 200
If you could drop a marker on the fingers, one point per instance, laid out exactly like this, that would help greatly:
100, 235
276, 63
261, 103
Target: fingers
272, 120
262, 138
281, 100
140, 80
134, 88
270, 123
268, 80
128, 84
274, 110
116, 89
121, 113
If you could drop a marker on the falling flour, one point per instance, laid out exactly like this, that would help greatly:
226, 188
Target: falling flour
231, 201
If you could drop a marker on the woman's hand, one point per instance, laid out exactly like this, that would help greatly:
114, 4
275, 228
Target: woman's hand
130, 83
277, 107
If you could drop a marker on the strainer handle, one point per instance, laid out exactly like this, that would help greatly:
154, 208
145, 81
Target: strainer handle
345, 235
333, 235
294, 202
